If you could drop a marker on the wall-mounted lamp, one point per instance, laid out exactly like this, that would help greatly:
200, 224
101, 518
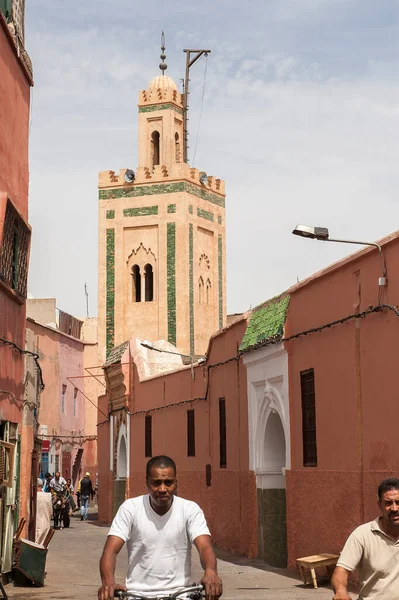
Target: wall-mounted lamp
322, 234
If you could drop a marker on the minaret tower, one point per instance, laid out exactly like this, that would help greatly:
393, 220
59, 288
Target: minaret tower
162, 266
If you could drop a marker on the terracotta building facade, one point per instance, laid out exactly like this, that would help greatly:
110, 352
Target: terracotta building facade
67, 412
17, 427
343, 381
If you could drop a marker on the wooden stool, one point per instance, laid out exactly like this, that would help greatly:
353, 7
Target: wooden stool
313, 562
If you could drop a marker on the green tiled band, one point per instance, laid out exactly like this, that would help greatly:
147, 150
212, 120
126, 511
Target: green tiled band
266, 323
220, 274
140, 211
171, 281
110, 290
155, 107
110, 214
205, 214
191, 284
171, 208
138, 191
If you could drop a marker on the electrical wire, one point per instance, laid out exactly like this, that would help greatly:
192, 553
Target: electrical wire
29, 353
274, 340
202, 104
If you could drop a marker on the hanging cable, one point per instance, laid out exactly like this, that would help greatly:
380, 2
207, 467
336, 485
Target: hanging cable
202, 104
34, 355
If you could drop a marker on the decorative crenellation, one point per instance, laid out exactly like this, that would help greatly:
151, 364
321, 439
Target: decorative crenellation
220, 277
155, 107
110, 289
177, 172
191, 284
171, 281
160, 96
110, 214
140, 211
205, 214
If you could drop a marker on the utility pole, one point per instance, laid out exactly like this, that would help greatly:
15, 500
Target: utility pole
189, 63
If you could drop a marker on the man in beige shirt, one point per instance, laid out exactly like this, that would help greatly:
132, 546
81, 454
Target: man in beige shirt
373, 549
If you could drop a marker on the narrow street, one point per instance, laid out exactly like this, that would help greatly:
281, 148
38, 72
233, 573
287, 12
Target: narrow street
72, 571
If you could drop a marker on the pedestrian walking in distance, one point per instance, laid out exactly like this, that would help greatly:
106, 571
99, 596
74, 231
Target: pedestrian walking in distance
86, 491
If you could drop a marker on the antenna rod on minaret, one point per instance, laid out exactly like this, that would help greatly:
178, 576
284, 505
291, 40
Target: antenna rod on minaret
163, 66
87, 300
189, 64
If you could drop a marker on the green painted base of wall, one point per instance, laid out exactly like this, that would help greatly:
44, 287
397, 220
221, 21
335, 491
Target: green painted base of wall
119, 495
272, 528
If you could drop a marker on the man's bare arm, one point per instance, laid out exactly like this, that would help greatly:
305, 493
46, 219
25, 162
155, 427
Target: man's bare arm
112, 547
210, 580
339, 581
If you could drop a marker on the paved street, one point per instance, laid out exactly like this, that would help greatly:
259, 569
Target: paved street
72, 566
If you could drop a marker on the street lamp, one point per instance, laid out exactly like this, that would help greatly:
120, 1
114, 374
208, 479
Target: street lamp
322, 234
199, 358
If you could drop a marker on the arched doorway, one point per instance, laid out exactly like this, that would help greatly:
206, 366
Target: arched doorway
121, 467
272, 531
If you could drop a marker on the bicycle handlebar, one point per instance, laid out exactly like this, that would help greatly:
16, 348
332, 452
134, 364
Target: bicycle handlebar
195, 590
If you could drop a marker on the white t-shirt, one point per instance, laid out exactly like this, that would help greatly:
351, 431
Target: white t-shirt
58, 486
158, 546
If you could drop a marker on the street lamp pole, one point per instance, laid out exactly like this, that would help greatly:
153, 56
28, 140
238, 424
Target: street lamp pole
322, 234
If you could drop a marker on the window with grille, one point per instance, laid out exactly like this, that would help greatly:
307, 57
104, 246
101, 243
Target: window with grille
190, 433
148, 436
75, 399
308, 418
14, 252
222, 433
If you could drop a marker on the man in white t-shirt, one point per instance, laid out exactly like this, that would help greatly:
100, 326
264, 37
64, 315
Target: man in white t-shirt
159, 529
58, 483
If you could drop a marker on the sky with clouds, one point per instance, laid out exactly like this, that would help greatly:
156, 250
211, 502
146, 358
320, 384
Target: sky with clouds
300, 118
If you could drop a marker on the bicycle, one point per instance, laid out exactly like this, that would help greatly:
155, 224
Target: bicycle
193, 592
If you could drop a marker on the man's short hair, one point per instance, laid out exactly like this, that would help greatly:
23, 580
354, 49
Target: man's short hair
160, 462
388, 484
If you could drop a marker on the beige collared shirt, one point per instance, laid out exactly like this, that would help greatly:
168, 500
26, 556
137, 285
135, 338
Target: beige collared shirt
376, 556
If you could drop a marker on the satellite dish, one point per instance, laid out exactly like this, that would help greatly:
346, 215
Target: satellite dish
129, 176
203, 178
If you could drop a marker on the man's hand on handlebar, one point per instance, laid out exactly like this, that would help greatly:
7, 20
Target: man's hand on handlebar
107, 590
212, 584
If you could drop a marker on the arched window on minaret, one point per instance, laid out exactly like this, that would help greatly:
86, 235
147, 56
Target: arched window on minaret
201, 290
149, 283
208, 291
155, 148
177, 147
136, 284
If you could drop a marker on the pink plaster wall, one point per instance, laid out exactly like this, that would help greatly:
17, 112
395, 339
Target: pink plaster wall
14, 179
62, 357
356, 379
14, 123
230, 502
14, 176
